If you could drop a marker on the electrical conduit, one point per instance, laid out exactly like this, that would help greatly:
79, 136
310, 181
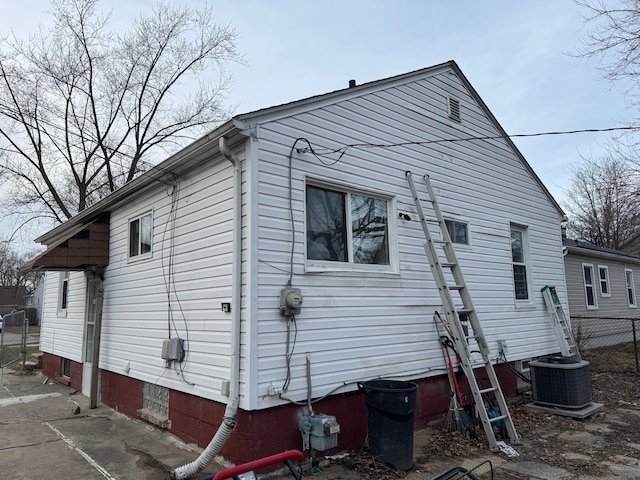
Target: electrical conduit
229, 421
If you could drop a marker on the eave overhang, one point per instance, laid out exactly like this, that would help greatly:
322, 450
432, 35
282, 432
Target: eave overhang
82, 247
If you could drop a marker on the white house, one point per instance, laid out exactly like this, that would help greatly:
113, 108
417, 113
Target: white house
189, 262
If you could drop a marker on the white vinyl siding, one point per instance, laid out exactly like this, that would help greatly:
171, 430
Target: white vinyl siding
178, 292
631, 288
603, 277
358, 325
63, 335
590, 295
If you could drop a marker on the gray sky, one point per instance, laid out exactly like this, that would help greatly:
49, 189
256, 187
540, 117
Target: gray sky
514, 53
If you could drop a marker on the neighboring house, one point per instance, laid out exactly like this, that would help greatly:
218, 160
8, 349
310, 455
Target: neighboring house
309, 195
12, 298
602, 284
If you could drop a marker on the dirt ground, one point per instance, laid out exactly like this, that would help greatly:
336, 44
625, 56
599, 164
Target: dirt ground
605, 445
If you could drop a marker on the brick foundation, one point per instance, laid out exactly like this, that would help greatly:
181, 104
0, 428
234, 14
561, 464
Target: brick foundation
265, 432
52, 368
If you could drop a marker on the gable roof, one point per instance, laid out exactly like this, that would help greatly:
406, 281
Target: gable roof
207, 146
581, 247
246, 120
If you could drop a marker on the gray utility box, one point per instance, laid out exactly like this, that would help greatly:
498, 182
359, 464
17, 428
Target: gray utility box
561, 382
324, 432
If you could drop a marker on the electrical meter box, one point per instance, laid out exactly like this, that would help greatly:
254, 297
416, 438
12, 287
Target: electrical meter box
173, 349
290, 301
324, 432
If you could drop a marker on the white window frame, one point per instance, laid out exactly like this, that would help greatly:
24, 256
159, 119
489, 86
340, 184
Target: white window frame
604, 281
450, 222
591, 286
65, 367
63, 293
139, 219
312, 265
524, 230
631, 288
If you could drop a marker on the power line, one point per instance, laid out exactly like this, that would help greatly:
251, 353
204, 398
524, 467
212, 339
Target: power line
343, 149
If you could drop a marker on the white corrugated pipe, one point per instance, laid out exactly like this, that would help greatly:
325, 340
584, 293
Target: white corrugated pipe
209, 453
229, 421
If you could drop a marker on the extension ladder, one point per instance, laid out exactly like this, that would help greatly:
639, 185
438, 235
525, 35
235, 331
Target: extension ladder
567, 343
452, 320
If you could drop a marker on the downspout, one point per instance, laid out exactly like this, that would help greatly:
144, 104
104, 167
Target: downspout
229, 420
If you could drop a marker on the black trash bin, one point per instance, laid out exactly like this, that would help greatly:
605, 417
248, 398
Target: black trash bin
391, 405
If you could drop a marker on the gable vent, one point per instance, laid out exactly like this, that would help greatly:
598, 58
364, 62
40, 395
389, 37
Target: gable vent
454, 109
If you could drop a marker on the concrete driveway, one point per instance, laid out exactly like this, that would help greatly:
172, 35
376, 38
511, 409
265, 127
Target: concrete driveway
48, 432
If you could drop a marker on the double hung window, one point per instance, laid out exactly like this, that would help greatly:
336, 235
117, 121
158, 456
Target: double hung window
346, 227
589, 286
140, 234
63, 293
519, 258
603, 272
631, 289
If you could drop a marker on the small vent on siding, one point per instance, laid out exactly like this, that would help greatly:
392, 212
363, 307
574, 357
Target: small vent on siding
454, 109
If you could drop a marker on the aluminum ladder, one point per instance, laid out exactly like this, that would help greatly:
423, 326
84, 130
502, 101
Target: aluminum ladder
568, 345
452, 318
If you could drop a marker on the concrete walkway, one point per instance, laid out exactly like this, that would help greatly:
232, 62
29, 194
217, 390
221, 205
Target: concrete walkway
48, 432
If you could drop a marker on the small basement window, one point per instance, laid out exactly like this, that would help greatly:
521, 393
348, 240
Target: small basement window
155, 405
65, 367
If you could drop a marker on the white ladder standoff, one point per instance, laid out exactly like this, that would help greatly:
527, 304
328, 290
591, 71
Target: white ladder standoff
567, 343
489, 416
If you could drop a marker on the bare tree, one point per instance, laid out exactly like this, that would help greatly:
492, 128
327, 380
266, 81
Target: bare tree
11, 261
603, 204
614, 37
84, 109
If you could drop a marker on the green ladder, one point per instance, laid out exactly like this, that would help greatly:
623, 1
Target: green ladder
566, 340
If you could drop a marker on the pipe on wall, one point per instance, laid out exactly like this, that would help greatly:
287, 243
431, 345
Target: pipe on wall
229, 422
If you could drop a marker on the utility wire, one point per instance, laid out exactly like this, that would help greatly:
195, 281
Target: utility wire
324, 151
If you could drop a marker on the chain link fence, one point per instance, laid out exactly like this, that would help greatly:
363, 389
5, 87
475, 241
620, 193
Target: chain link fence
609, 340
15, 333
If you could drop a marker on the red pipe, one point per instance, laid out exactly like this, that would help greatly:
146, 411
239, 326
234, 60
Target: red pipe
258, 464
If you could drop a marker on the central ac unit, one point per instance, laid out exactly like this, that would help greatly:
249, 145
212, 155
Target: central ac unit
561, 382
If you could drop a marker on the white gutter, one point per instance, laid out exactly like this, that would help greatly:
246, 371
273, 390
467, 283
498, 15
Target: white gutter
229, 420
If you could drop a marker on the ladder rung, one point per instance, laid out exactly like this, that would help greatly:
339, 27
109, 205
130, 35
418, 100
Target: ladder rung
488, 390
475, 365
448, 264
465, 310
455, 287
498, 418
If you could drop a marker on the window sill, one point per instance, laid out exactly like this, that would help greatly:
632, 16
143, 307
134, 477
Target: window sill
140, 258
350, 268
525, 306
